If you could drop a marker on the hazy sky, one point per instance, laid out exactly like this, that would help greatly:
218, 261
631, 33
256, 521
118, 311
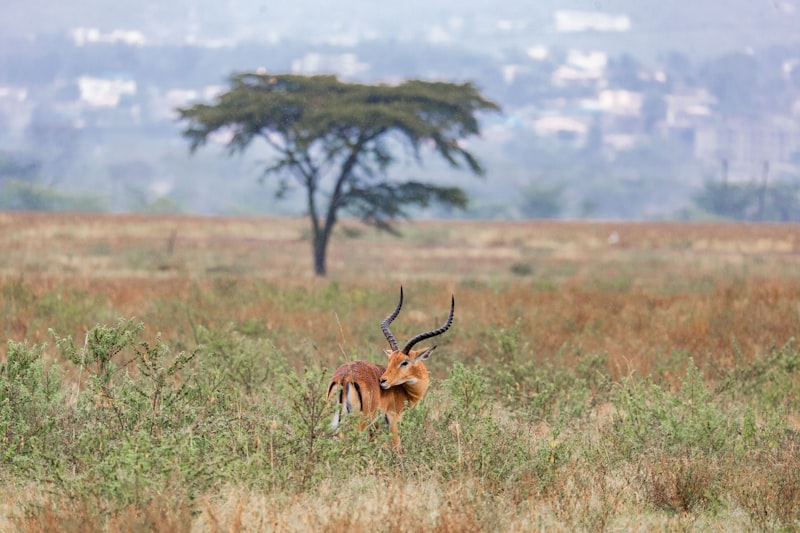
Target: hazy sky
704, 26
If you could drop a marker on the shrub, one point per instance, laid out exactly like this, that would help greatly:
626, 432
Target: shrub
252, 366
135, 420
30, 396
650, 417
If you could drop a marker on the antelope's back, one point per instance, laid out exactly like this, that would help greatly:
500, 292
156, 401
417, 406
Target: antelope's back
365, 376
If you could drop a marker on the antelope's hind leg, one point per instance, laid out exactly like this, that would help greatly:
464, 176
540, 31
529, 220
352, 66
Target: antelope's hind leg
339, 408
348, 401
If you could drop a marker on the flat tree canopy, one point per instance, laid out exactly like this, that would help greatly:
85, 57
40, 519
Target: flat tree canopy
332, 139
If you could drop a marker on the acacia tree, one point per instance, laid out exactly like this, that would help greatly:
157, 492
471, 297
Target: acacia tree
336, 141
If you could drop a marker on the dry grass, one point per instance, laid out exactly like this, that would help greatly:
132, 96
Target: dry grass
598, 502
131, 246
635, 291
638, 293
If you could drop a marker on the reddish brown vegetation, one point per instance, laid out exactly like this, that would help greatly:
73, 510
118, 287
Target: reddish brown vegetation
636, 292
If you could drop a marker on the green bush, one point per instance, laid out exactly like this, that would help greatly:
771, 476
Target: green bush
649, 416
30, 398
121, 418
250, 365
693, 420
772, 379
545, 390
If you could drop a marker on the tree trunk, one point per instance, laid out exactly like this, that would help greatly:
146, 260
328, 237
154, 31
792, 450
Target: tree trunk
319, 243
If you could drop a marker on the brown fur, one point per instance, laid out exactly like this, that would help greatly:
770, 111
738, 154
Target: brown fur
366, 378
367, 387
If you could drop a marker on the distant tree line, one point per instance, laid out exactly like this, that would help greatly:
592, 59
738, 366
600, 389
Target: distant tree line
754, 200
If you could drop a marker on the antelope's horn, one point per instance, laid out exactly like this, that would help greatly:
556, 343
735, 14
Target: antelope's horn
422, 336
388, 320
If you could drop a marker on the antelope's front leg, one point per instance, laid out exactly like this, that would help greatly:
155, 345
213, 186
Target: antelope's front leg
392, 419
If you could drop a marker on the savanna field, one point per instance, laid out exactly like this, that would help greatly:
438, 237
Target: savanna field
169, 374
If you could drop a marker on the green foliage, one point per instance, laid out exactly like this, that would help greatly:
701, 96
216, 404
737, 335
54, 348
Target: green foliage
29, 400
772, 378
468, 390
692, 421
133, 425
487, 448
127, 419
163, 205
332, 140
101, 345
543, 389
246, 364
522, 269
309, 413
751, 200
648, 415
542, 200
16, 195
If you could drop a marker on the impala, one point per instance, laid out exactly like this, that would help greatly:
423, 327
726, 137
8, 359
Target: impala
367, 387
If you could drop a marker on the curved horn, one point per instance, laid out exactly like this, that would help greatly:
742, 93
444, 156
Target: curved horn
435, 332
388, 320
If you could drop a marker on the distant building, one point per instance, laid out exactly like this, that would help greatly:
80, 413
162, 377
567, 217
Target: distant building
687, 110
615, 102
346, 65
570, 129
83, 36
16, 108
749, 143
581, 67
686, 106
105, 92
568, 21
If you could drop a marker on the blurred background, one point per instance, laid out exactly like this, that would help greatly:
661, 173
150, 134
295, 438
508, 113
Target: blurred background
612, 109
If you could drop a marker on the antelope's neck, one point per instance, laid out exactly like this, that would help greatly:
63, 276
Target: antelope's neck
416, 391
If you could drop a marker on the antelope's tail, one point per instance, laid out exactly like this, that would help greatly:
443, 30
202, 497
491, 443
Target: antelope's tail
348, 399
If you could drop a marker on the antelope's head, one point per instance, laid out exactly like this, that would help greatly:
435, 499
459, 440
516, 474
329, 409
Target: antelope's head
405, 365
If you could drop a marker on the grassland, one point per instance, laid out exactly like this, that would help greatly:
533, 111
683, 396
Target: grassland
168, 373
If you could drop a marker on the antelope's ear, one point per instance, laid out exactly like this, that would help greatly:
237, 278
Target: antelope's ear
388, 353
423, 356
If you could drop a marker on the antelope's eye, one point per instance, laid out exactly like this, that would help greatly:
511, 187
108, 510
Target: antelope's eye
404, 363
